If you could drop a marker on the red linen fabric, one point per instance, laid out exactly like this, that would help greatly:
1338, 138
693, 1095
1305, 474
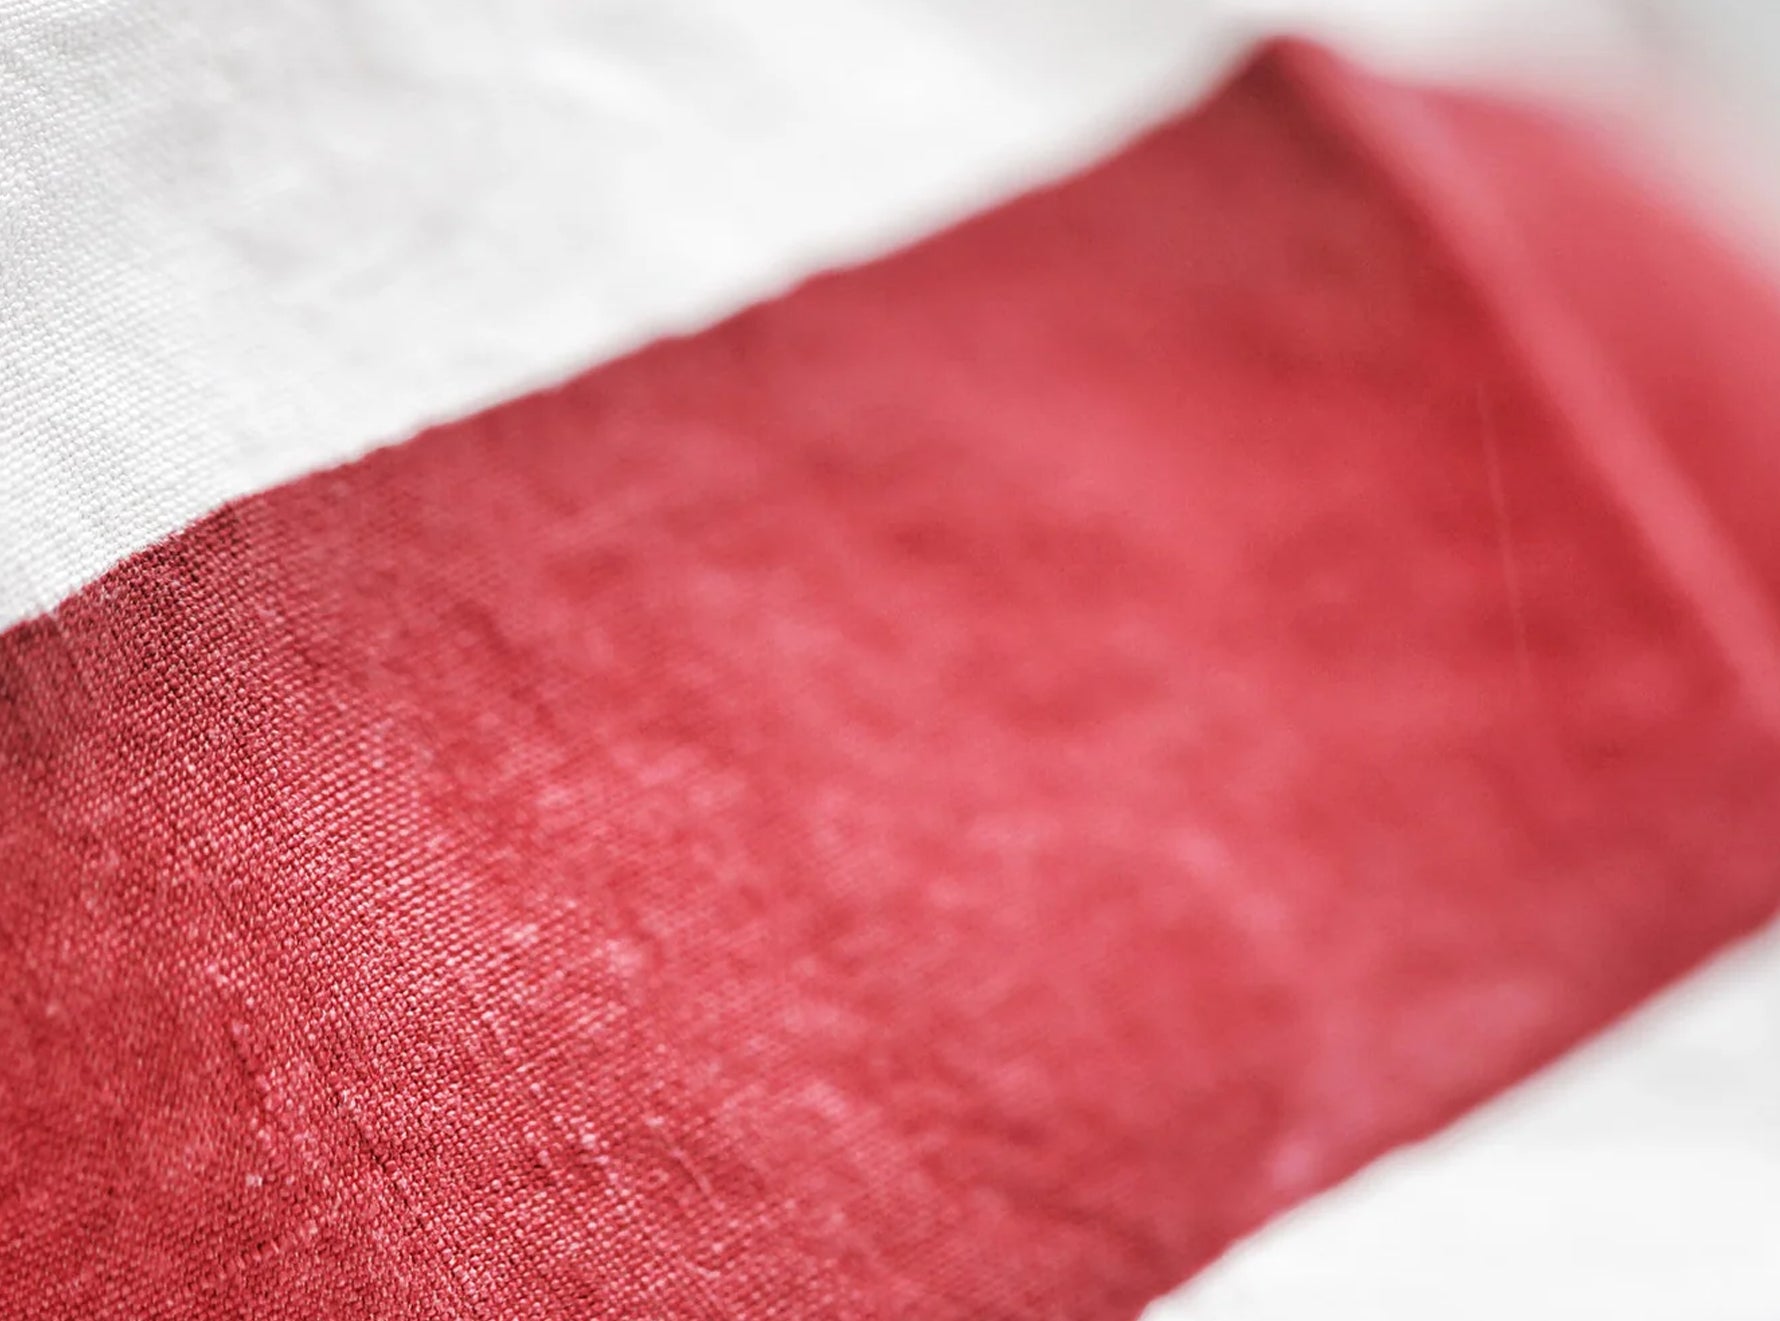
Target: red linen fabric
951, 794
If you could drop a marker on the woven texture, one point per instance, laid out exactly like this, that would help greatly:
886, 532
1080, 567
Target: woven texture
247, 241
952, 794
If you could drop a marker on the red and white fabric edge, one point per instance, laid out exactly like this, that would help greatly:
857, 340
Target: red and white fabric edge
1639, 1178
243, 246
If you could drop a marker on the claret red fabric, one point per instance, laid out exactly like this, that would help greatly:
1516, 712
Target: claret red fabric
949, 795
